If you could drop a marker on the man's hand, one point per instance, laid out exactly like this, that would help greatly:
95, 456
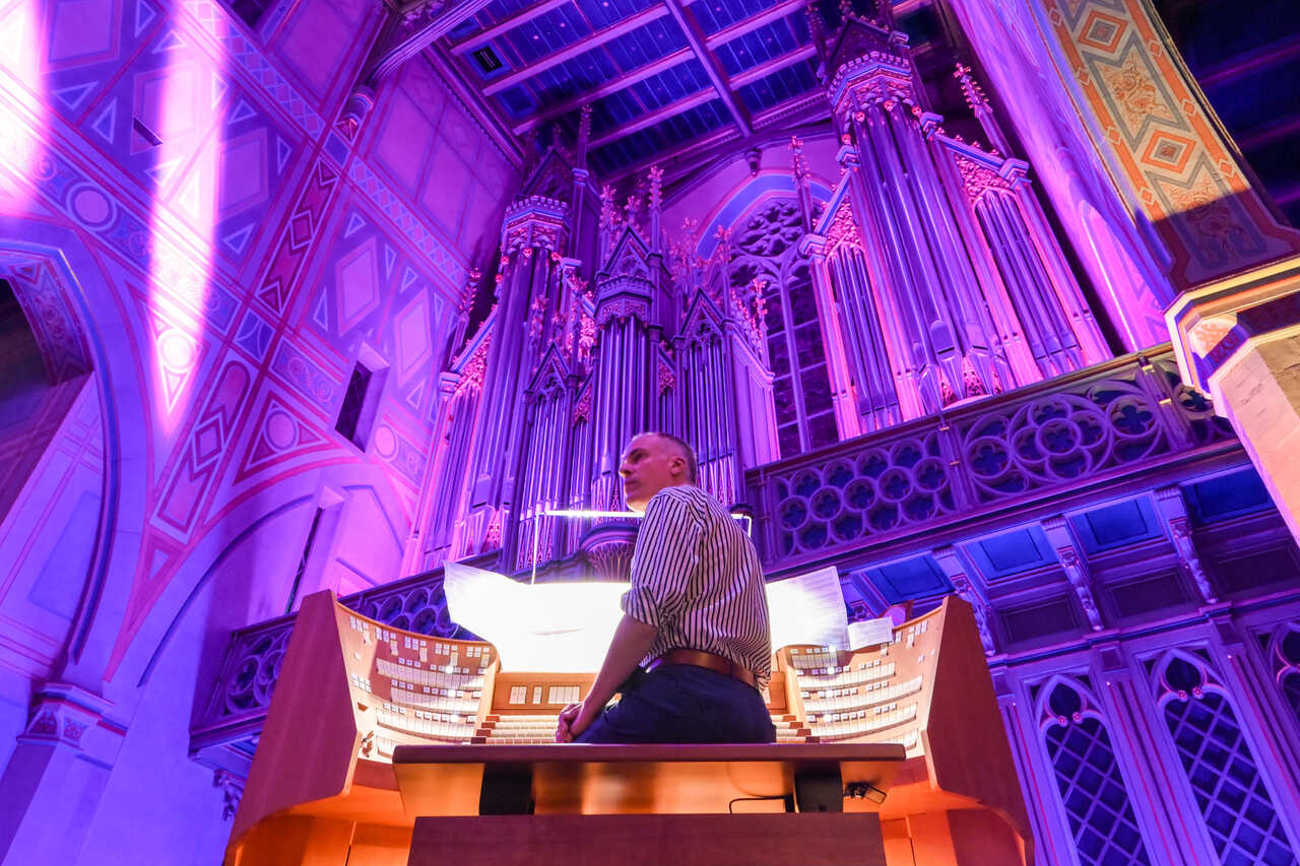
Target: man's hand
631, 642
573, 721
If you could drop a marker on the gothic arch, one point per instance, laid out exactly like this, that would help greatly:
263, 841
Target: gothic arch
1075, 734
1235, 798
743, 199
83, 312
234, 528
1282, 655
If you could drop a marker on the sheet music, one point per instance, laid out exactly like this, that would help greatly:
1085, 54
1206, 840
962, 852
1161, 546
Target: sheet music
566, 627
551, 627
871, 632
808, 609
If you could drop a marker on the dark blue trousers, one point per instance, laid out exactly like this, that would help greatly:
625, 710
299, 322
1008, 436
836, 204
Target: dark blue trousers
684, 704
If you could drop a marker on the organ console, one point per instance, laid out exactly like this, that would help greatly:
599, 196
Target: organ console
940, 781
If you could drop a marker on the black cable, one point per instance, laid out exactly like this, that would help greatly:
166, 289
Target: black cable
730, 811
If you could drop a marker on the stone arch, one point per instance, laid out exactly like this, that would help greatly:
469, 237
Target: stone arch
745, 199
1048, 714
62, 283
1282, 655
1234, 791
1165, 689
300, 490
1084, 764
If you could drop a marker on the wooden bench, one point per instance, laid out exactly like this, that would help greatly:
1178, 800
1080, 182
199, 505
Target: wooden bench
682, 805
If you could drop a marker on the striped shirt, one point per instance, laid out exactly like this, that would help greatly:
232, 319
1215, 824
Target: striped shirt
696, 578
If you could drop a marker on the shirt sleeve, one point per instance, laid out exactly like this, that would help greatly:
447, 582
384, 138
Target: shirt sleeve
666, 554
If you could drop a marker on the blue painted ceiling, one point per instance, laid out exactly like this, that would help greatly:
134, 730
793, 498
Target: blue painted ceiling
644, 67
1003, 555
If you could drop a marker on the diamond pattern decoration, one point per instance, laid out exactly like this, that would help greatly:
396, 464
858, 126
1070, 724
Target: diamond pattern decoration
1139, 95
1169, 151
1237, 808
1102, 31
415, 230
1093, 792
208, 440
255, 67
357, 280
412, 335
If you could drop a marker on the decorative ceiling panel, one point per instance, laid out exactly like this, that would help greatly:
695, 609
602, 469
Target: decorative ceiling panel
715, 15
658, 74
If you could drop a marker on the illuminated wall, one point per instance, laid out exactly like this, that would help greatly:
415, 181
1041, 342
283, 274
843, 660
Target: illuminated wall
204, 250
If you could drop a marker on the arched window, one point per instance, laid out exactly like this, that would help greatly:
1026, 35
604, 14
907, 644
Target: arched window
767, 257
1236, 806
1284, 661
1093, 792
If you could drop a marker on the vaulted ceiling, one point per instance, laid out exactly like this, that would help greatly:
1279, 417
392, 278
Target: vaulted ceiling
659, 74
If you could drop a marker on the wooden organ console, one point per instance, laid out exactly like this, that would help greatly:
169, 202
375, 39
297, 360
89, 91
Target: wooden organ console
352, 691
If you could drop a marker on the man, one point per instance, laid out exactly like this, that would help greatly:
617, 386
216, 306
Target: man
696, 609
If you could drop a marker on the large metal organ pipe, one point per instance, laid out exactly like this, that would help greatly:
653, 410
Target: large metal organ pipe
876, 397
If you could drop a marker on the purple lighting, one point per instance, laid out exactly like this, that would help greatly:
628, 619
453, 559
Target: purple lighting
303, 295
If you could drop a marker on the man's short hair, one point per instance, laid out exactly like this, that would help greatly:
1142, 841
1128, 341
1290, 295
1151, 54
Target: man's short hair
692, 465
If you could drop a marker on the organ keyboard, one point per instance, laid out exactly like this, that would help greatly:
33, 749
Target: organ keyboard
352, 690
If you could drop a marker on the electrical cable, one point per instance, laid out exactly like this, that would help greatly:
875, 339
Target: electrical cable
732, 803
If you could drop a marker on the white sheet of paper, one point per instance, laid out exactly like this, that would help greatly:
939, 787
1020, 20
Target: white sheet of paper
566, 627
554, 627
871, 632
808, 609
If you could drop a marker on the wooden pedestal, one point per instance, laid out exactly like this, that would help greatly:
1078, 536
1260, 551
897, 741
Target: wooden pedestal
797, 839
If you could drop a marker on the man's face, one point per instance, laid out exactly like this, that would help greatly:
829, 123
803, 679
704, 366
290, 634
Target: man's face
650, 463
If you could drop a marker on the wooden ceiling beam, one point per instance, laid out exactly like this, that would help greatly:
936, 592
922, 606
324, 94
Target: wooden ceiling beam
582, 46
650, 118
641, 73
762, 70
487, 34
749, 25
712, 66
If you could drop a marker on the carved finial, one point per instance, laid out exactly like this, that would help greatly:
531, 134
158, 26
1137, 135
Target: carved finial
971, 89
801, 171
608, 212
584, 136
632, 207
656, 187
471, 289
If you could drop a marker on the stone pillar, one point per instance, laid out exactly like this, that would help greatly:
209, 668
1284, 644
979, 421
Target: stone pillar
1238, 340
59, 767
1236, 321
1170, 830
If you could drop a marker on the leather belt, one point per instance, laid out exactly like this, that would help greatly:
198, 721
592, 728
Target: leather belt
701, 659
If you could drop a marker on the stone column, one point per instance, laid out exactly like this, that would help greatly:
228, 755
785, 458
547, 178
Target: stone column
1238, 340
68, 738
1234, 265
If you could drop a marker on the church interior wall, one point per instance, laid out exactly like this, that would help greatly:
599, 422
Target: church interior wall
248, 296
1036, 91
226, 313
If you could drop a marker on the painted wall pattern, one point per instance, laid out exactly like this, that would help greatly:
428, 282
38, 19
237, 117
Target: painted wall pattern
1172, 155
201, 181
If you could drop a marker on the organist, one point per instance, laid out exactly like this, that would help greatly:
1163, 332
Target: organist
696, 609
